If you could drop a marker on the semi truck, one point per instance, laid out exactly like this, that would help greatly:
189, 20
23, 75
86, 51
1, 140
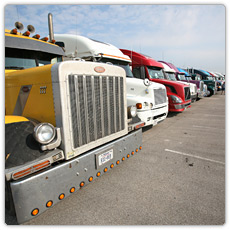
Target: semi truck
205, 77
201, 87
143, 67
170, 74
66, 123
149, 97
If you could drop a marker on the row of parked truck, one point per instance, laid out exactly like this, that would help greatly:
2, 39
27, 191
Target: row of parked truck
74, 109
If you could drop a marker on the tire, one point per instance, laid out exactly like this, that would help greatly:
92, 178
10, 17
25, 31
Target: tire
211, 93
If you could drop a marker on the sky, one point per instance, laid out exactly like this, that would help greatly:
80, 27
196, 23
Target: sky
191, 35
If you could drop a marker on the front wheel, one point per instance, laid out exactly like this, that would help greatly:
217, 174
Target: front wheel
211, 93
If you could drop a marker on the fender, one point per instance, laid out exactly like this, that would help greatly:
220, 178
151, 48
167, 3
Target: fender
13, 119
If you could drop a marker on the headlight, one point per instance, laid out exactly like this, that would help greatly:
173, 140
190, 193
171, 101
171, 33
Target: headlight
44, 133
146, 104
175, 99
132, 111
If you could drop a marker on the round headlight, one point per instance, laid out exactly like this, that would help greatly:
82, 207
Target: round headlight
44, 133
132, 111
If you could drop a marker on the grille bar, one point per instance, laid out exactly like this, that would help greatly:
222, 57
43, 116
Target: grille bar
96, 107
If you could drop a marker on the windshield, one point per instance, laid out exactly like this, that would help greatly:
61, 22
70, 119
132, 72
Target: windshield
181, 77
25, 59
210, 78
171, 76
155, 73
122, 64
188, 78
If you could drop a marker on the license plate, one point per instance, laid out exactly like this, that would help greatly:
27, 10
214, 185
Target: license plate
105, 157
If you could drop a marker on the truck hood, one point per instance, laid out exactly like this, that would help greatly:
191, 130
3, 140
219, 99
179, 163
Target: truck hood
83, 47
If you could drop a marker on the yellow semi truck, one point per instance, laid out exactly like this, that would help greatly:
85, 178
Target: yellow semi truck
66, 123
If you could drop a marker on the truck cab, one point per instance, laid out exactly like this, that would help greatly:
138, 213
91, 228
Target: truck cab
171, 74
206, 78
143, 67
201, 88
149, 97
66, 123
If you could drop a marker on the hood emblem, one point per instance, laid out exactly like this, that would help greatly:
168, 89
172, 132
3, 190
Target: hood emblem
99, 69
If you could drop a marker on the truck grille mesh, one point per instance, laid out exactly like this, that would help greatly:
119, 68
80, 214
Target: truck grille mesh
160, 96
187, 93
96, 107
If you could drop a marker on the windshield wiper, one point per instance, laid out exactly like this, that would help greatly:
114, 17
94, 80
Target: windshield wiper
14, 67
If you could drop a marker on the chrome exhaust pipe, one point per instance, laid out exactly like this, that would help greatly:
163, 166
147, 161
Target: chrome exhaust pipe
50, 24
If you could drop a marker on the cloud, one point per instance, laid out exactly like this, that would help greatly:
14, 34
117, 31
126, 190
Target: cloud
153, 29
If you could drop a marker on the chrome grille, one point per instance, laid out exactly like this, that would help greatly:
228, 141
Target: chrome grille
160, 96
96, 107
201, 86
187, 93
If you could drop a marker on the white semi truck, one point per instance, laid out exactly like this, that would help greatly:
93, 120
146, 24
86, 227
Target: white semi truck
150, 98
170, 74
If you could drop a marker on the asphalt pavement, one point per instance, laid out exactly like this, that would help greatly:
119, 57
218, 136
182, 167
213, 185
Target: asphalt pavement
178, 178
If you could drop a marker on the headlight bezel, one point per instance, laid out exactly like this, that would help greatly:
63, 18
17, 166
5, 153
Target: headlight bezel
38, 133
132, 111
176, 99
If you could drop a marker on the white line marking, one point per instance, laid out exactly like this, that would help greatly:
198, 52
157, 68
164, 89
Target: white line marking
201, 158
212, 115
206, 127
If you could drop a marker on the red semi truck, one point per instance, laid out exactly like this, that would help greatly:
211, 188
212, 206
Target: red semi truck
143, 66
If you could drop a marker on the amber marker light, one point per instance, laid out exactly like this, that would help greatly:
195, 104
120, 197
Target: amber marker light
14, 31
35, 212
72, 190
49, 203
118, 162
111, 166
37, 36
61, 197
140, 147
128, 155
136, 150
132, 152
98, 174
123, 158
44, 39
82, 184
27, 33
90, 179
139, 106
105, 169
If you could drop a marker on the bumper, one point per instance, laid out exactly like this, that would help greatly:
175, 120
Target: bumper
193, 97
35, 191
180, 107
154, 116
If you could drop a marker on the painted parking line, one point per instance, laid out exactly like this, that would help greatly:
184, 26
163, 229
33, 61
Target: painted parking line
194, 156
213, 115
206, 127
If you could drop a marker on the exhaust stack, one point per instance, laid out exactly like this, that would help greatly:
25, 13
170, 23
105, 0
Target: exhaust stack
50, 23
